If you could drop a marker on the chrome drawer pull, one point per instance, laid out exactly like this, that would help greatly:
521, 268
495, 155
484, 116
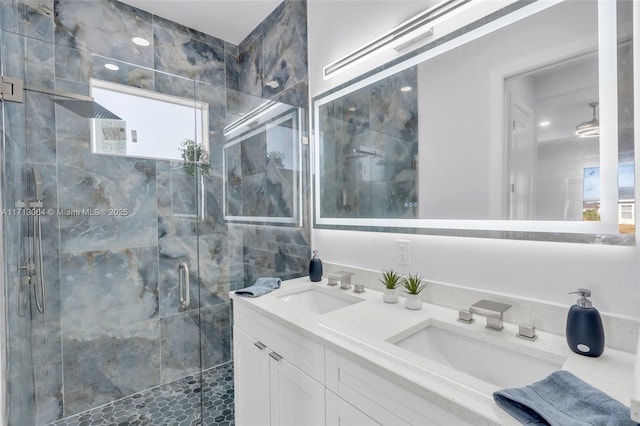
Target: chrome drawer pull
275, 356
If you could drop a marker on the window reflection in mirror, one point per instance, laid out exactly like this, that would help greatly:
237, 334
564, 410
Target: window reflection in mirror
486, 131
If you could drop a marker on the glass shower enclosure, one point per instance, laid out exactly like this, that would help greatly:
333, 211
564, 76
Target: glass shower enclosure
110, 284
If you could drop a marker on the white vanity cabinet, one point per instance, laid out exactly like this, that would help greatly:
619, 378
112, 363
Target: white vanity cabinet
278, 374
366, 398
284, 378
341, 413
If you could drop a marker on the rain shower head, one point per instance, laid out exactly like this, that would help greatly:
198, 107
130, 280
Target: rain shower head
87, 109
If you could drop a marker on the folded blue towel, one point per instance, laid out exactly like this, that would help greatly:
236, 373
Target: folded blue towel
260, 287
562, 399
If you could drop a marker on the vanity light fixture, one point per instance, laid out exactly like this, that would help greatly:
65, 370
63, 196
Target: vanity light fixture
589, 129
250, 116
111, 67
415, 29
140, 41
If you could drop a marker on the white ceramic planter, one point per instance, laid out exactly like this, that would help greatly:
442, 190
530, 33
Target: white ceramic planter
390, 295
413, 301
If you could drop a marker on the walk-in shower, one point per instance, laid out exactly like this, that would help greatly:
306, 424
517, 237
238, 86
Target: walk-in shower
132, 246
115, 302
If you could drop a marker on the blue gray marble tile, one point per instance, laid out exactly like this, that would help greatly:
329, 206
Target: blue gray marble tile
13, 55
39, 63
253, 154
253, 195
123, 343
184, 53
215, 335
285, 48
238, 104
297, 95
231, 53
79, 66
93, 283
48, 378
233, 164
32, 18
40, 128
395, 112
279, 191
90, 181
274, 251
104, 28
251, 68
180, 345
100, 368
20, 400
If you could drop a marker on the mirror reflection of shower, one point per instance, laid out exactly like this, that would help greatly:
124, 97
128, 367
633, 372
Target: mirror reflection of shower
30, 267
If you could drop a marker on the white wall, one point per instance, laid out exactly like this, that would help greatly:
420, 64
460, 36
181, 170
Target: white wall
543, 271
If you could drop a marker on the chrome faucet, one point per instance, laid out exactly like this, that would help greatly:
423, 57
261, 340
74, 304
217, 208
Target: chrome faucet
492, 310
341, 277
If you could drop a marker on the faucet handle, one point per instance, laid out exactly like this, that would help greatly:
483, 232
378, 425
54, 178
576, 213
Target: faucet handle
466, 316
527, 332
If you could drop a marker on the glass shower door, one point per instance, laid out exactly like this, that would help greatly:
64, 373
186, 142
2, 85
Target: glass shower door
114, 330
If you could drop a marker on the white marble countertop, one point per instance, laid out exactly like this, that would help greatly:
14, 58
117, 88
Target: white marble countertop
361, 332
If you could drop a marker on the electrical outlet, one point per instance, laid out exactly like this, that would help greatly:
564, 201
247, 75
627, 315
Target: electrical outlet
404, 252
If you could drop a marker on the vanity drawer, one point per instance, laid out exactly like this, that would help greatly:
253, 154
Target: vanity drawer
385, 402
303, 353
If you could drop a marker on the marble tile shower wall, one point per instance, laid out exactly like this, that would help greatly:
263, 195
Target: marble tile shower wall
112, 323
273, 58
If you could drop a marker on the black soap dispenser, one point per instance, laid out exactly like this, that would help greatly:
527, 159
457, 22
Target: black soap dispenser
585, 334
315, 268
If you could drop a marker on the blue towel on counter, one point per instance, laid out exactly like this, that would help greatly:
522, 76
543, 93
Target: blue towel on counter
260, 287
562, 399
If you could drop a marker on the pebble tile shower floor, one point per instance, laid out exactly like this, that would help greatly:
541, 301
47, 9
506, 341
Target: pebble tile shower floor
176, 404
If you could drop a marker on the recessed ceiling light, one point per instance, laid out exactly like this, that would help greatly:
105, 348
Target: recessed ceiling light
406, 89
544, 123
112, 67
140, 41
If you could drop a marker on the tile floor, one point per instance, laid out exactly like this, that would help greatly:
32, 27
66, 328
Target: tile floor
176, 404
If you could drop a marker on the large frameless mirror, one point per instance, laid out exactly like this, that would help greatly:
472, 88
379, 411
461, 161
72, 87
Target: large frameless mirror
523, 130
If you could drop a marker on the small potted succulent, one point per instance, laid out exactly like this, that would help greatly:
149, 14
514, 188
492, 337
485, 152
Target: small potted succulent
391, 280
412, 284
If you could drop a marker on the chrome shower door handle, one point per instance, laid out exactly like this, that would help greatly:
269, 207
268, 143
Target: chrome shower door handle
183, 285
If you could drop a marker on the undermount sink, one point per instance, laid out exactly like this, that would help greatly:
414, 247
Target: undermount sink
318, 301
494, 364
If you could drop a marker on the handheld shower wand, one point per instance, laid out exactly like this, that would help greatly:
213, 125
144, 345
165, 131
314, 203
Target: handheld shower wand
32, 251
